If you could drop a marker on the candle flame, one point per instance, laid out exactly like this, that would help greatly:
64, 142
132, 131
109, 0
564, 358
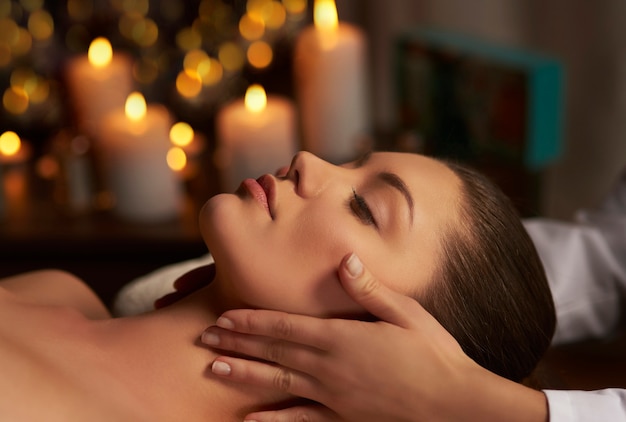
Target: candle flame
255, 99
10, 143
325, 15
181, 134
135, 106
100, 52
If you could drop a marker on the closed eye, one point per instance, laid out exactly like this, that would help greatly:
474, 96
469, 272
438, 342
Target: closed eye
361, 210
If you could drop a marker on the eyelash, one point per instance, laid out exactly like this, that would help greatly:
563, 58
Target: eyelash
360, 208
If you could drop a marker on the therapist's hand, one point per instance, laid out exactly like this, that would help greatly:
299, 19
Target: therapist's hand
405, 367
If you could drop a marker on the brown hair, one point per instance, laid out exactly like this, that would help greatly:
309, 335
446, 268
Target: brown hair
491, 293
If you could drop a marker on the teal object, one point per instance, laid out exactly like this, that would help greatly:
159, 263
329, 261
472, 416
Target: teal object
544, 87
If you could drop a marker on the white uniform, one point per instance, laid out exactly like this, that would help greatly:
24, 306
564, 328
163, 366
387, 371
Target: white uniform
586, 267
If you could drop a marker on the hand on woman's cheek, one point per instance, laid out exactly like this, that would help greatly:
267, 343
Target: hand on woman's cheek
358, 370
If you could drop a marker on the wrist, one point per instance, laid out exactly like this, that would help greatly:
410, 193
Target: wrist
489, 397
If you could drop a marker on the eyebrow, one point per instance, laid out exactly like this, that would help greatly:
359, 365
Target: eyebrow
397, 183
392, 180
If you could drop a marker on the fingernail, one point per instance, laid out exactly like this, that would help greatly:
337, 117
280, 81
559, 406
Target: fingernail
220, 368
225, 323
354, 266
211, 339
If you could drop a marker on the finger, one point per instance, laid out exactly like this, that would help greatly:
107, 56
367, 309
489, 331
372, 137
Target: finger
378, 299
311, 413
266, 376
295, 356
301, 329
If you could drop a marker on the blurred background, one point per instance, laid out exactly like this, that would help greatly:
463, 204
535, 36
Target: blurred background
195, 58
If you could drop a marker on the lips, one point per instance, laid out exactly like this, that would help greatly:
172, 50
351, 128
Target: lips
262, 190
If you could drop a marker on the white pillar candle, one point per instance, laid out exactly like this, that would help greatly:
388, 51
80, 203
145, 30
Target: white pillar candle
330, 78
135, 142
256, 135
98, 83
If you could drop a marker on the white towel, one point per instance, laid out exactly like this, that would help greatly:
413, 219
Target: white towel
139, 295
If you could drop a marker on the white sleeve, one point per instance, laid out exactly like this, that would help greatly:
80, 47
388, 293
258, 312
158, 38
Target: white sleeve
585, 265
587, 406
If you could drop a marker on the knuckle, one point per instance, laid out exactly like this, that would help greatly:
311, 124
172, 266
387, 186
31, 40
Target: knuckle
369, 286
282, 328
251, 321
283, 380
274, 351
302, 416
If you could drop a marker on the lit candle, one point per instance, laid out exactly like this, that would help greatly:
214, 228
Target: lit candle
98, 83
256, 135
330, 81
134, 144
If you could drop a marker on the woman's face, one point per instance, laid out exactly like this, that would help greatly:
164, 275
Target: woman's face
277, 242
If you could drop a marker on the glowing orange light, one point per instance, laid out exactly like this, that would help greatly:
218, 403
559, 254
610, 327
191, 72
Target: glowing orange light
255, 99
325, 15
181, 134
176, 158
100, 52
10, 143
135, 107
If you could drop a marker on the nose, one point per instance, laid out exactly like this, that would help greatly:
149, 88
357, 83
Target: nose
310, 174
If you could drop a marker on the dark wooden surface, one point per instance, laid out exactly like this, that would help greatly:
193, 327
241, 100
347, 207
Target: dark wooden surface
587, 365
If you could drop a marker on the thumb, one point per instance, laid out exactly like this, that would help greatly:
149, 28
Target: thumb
375, 297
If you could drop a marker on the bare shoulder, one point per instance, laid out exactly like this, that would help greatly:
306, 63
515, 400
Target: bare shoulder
51, 368
53, 287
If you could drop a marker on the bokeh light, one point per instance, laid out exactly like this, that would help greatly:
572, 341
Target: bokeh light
23, 43
231, 56
260, 54
210, 71
15, 100
40, 25
10, 143
188, 39
295, 7
181, 134
176, 158
188, 83
275, 15
251, 27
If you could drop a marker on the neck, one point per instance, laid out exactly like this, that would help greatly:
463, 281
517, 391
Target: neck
168, 339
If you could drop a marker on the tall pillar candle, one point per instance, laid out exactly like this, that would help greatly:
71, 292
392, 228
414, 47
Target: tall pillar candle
256, 135
330, 76
135, 142
98, 83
